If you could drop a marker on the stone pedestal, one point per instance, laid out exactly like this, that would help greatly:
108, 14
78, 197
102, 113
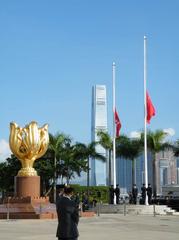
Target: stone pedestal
27, 208
27, 203
26, 186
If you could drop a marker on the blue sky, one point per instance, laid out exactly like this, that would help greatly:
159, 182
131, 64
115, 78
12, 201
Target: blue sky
53, 52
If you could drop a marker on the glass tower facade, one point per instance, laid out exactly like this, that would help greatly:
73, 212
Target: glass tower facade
124, 172
98, 169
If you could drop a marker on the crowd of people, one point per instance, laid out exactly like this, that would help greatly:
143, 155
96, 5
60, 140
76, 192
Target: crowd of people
132, 195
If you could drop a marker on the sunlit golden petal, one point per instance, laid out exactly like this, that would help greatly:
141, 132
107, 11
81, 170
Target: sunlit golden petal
15, 139
44, 136
33, 138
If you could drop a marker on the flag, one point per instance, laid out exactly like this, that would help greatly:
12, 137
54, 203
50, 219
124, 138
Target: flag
117, 122
150, 108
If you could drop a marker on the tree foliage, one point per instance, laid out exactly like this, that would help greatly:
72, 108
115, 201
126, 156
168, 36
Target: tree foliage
8, 170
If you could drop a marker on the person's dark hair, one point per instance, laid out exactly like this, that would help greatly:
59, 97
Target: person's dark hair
68, 190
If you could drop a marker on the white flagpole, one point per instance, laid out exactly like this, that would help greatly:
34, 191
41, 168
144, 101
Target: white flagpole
145, 118
114, 127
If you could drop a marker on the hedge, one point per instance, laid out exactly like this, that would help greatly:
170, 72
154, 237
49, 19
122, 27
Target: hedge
98, 193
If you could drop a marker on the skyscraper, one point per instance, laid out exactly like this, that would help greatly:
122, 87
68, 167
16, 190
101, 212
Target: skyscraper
98, 171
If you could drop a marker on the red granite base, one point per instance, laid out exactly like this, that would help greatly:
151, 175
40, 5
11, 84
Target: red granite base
31, 208
27, 208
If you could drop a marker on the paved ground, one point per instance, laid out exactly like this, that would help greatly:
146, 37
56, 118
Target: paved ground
104, 227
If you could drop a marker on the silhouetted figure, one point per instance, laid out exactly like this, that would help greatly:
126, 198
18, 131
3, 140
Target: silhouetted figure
85, 202
60, 191
111, 194
143, 193
99, 195
117, 192
76, 198
68, 216
130, 197
149, 193
94, 202
134, 193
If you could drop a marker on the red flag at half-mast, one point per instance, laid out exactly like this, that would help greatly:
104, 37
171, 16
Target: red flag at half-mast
117, 122
150, 108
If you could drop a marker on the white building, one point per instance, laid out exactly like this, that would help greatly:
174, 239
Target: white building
98, 168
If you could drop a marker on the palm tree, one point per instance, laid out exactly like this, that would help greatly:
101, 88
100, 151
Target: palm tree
88, 151
73, 161
56, 145
125, 147
129, 148
155, 143
45, 169
106, 142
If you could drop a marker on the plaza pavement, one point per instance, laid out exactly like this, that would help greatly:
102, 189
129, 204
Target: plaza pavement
103, 227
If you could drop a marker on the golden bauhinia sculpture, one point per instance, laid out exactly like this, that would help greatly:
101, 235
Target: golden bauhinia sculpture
28, 144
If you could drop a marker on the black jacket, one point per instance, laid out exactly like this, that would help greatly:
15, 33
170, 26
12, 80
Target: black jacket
149, 191
117, 191
68, 218
134, 192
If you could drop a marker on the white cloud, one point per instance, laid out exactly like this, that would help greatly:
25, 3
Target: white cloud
135, 134
4, 150
170, 131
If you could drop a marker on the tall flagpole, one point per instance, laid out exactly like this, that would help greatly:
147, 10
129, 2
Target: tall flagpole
114, 127
145, 118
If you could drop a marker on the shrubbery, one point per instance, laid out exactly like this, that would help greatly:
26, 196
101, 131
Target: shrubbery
99, 193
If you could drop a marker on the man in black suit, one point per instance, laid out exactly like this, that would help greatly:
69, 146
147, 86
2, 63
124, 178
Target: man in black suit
134, 193
149, 193
68, 216
117, 192
143, 193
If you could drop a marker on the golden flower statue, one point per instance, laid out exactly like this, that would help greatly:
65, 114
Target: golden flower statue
28, 144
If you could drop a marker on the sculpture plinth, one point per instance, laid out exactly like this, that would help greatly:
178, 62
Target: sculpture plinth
27, 208
26, 186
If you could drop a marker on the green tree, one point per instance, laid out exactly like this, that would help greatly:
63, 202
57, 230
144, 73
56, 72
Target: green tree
125, 147
155, 144
8, 170
45, 169
88, 151
73, 161
56, 145
67, 157
129, 149
106, 142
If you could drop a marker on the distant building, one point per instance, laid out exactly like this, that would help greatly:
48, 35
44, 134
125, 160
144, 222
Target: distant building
82, 180
98, 168
166, 165
124, 172
166, 169
177, 166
